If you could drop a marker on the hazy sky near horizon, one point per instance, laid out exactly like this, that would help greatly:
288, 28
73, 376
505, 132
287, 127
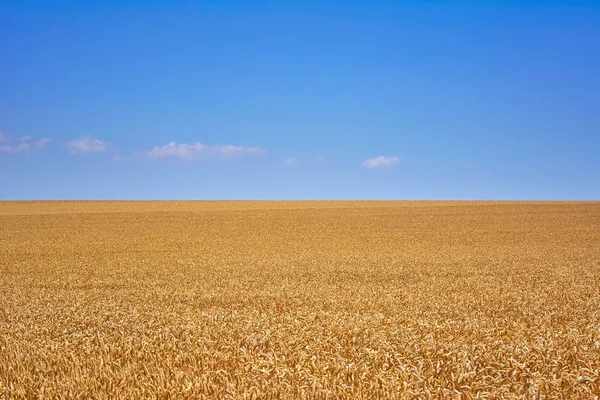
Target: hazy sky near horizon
300, 100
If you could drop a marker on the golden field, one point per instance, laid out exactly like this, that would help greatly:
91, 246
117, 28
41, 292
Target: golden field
299, 300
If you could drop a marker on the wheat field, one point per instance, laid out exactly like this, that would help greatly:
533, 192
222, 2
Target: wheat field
299, 300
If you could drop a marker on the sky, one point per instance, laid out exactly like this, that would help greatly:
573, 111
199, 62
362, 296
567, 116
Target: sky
300, 100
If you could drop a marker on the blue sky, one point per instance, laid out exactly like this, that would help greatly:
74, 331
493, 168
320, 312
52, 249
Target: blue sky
300, 100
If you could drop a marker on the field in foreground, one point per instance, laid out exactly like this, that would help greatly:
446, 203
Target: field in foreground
299, 300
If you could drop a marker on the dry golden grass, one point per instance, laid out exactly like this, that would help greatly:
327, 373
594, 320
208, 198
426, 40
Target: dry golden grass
299, 300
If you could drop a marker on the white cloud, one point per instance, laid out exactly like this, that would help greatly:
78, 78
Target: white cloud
87, 144
319, 159
189, 151
23, 145
289, 162
40, 144
380, 162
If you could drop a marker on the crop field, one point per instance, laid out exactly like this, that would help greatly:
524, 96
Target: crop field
300, 300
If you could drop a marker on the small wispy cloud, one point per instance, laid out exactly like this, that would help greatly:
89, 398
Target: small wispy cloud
20, 146
190, 151
380, 162
87, 144
40, 144
319, 159
15, 149
289, 162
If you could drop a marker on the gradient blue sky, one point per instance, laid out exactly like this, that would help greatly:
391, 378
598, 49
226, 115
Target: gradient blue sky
464, 100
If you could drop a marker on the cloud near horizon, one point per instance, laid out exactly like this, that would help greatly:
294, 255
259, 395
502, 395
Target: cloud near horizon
87, 144
319, 159
289, 162
40, 144
21, 146
380, 162
190, 151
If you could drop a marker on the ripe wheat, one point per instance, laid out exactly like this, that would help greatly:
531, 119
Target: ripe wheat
299, 300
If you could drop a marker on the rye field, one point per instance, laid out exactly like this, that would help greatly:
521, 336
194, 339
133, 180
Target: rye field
299, 300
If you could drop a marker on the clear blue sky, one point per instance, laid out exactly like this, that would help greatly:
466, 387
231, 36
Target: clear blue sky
299, 100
